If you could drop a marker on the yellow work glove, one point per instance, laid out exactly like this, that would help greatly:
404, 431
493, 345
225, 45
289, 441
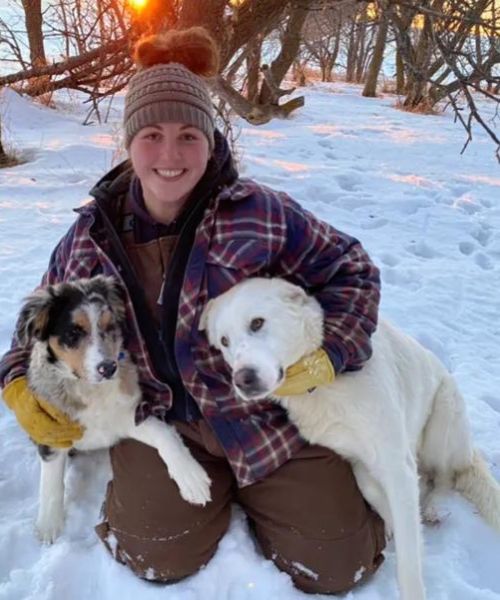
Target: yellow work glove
306, 374
44, 423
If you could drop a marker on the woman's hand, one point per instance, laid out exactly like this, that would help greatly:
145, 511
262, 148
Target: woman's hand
44, 423
306, 374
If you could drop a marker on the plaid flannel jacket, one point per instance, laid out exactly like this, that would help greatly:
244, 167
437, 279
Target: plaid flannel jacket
247, 230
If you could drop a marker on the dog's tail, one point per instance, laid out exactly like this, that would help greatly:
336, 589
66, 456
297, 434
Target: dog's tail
477, 484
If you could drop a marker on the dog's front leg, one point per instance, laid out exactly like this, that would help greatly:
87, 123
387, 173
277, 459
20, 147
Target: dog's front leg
191, 478
50, 520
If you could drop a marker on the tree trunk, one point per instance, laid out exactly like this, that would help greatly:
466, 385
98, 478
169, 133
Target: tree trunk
3, 154
331, 58
33, 21
326, 64
254, 17
289, 49
416, 86
208, 14
370, 89
299, 74
361, 54
253, 69
352, 53
400, 73
336, 49
416, 92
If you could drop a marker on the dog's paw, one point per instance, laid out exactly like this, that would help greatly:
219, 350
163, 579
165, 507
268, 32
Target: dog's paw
191, 478
48, 529
433, 515
194, 485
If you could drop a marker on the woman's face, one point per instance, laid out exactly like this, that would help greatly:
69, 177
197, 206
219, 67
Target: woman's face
169, 159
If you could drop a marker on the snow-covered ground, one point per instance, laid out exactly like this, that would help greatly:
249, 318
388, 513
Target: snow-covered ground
429, 217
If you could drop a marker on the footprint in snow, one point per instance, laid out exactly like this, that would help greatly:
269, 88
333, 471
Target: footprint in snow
348, 183
374, 223
390, 260
466, 248
468, 203
325, 143
482, 235
459, 189
407, 279
421, 249
483, 261
493, 402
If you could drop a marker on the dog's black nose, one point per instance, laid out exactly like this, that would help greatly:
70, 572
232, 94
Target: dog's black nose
107, 368
246, 379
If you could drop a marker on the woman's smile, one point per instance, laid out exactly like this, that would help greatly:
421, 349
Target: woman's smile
170, 174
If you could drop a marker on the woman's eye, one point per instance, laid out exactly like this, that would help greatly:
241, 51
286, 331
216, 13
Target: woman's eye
224, 341
189, 137
256, 324
154, 136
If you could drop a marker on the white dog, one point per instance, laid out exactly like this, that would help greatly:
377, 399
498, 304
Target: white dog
78, 363
399, 416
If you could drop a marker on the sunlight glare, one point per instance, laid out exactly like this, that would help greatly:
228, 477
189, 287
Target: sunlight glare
137, 4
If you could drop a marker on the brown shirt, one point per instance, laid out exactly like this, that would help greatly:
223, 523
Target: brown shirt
150, 261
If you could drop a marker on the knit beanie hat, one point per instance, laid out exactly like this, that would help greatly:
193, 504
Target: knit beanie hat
168, 86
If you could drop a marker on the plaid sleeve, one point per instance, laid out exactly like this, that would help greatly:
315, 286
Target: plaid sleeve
335, 268
14, 362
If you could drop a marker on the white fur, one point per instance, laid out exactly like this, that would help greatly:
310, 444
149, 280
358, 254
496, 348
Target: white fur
96, 351
400, 415
107, 414
106, 410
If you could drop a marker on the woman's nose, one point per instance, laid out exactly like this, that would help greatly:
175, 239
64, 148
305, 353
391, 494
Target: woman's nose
170, 149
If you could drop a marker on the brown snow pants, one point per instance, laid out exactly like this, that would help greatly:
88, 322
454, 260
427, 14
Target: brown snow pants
308, 516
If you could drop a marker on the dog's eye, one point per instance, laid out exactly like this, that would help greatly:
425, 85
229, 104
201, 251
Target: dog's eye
256, 324
72, 335
224, 341
109, 330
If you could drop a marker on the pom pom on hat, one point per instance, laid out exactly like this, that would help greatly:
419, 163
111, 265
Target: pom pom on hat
194, 48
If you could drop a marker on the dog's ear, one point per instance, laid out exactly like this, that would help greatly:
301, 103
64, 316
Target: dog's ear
203, 324
294, 294
117, 298
110, 289
34, 316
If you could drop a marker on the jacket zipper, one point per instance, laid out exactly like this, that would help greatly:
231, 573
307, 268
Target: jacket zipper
117, 274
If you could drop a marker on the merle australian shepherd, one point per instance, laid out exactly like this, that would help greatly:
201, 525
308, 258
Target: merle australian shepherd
78, 363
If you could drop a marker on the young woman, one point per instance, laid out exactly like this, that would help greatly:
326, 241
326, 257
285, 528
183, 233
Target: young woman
177, 226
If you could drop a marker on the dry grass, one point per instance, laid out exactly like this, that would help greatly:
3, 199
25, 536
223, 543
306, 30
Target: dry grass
12, 159
424, 108
311, 74
388, 86
38, 88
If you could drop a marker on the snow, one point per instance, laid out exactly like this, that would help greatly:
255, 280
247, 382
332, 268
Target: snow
429, 217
